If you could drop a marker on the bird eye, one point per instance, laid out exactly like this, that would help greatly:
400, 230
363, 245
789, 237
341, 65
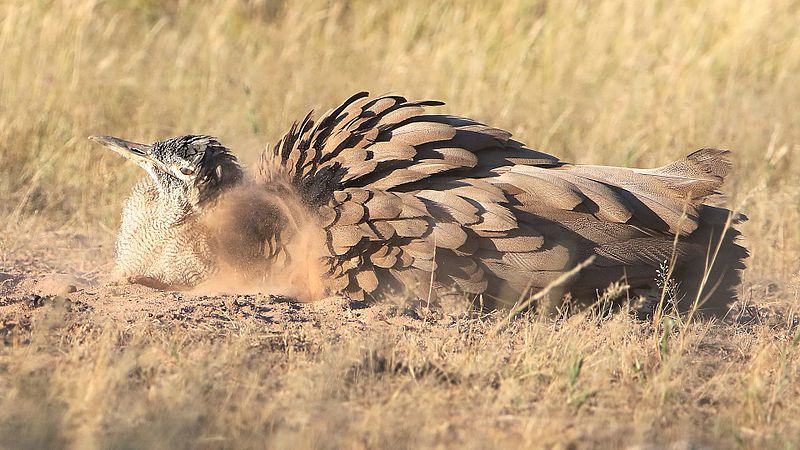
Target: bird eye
187, 171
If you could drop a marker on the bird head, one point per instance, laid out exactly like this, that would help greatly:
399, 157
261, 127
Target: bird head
197, 167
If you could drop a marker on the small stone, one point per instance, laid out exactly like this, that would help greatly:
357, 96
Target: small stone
34, 301
357, 304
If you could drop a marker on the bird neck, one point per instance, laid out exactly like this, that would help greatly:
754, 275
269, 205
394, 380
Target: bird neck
169, 203
177, 195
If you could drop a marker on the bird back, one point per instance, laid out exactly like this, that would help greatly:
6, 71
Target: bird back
424, 202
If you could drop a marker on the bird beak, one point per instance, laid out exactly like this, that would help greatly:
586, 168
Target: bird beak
138, 153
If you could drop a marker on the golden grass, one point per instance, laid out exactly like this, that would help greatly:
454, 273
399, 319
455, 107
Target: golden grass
586, 381
615, 81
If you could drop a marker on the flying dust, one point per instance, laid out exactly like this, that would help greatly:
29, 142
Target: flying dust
266, 241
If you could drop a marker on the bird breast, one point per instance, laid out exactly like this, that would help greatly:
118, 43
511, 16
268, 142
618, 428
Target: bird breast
158, 241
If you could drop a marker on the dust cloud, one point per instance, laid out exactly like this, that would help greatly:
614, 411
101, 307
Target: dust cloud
266, 241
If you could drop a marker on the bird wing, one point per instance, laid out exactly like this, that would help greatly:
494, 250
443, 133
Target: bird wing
403, 194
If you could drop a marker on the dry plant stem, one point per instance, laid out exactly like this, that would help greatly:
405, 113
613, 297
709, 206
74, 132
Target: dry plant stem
522, 306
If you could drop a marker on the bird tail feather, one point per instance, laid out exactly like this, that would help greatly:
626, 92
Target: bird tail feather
709, 281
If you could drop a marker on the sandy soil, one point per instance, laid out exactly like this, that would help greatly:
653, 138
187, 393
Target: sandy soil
77, 273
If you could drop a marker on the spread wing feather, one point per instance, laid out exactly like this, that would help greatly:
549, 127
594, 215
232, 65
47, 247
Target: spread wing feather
401, 193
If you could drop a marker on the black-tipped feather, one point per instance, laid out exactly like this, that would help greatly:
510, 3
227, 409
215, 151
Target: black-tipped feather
489, 215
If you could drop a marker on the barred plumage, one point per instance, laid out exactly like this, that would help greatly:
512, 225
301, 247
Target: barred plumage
407, 198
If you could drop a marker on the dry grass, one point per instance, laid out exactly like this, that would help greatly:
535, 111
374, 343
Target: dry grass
615, 82
444, 380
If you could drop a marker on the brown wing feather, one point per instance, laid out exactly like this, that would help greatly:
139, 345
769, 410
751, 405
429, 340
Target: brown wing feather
402, 193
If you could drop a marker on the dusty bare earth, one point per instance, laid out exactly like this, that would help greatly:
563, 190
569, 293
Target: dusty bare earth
71, 272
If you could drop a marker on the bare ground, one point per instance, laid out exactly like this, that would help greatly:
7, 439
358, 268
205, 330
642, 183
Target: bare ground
67, 271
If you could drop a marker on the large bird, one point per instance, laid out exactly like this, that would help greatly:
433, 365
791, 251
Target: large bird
409, 201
